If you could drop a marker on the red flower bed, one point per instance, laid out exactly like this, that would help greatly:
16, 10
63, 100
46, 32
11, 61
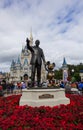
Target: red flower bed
63, 117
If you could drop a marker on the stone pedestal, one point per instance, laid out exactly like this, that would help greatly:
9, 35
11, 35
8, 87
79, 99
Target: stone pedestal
43, 97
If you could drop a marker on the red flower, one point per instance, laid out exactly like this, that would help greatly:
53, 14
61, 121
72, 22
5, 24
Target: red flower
65, 117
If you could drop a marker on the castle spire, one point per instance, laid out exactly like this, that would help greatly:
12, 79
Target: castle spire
31, 37
64, 62
65, 70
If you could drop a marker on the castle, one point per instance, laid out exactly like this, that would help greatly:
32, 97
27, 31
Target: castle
20, 70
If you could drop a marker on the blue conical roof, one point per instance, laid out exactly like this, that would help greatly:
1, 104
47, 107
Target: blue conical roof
25, 62
64, 61
13, 63
18, 61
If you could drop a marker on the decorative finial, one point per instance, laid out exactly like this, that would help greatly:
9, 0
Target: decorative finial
31, 37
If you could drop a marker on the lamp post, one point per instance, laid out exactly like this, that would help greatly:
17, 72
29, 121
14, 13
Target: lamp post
72, 78
72, 71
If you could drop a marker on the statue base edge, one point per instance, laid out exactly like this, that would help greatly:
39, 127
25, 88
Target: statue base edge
43, 97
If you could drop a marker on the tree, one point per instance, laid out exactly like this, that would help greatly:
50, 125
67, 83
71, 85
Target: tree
58, 74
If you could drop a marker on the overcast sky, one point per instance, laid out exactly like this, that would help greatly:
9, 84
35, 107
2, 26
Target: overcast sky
58, 24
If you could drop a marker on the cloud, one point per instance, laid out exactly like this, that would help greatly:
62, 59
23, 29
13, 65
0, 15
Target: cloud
57, 24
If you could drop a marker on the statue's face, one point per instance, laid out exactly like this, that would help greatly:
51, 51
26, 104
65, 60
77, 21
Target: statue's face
50, 67
37, 42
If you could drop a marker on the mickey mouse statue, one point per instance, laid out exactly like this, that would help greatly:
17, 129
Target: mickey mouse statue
50, 75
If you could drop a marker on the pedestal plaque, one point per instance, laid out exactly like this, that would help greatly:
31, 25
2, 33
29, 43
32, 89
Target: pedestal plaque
43, 97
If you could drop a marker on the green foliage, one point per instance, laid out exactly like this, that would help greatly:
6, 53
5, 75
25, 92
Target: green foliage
76, 72
58, 74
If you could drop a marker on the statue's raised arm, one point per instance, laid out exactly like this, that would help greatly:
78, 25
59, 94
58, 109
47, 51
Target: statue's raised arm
28, 45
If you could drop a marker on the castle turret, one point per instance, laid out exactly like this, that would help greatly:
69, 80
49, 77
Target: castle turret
18, 64
65, 70
31, 38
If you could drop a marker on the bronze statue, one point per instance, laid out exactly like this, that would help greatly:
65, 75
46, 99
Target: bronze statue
36, 61
50, 75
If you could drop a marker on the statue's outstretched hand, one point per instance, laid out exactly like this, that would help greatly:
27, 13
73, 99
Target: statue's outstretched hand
27, 40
